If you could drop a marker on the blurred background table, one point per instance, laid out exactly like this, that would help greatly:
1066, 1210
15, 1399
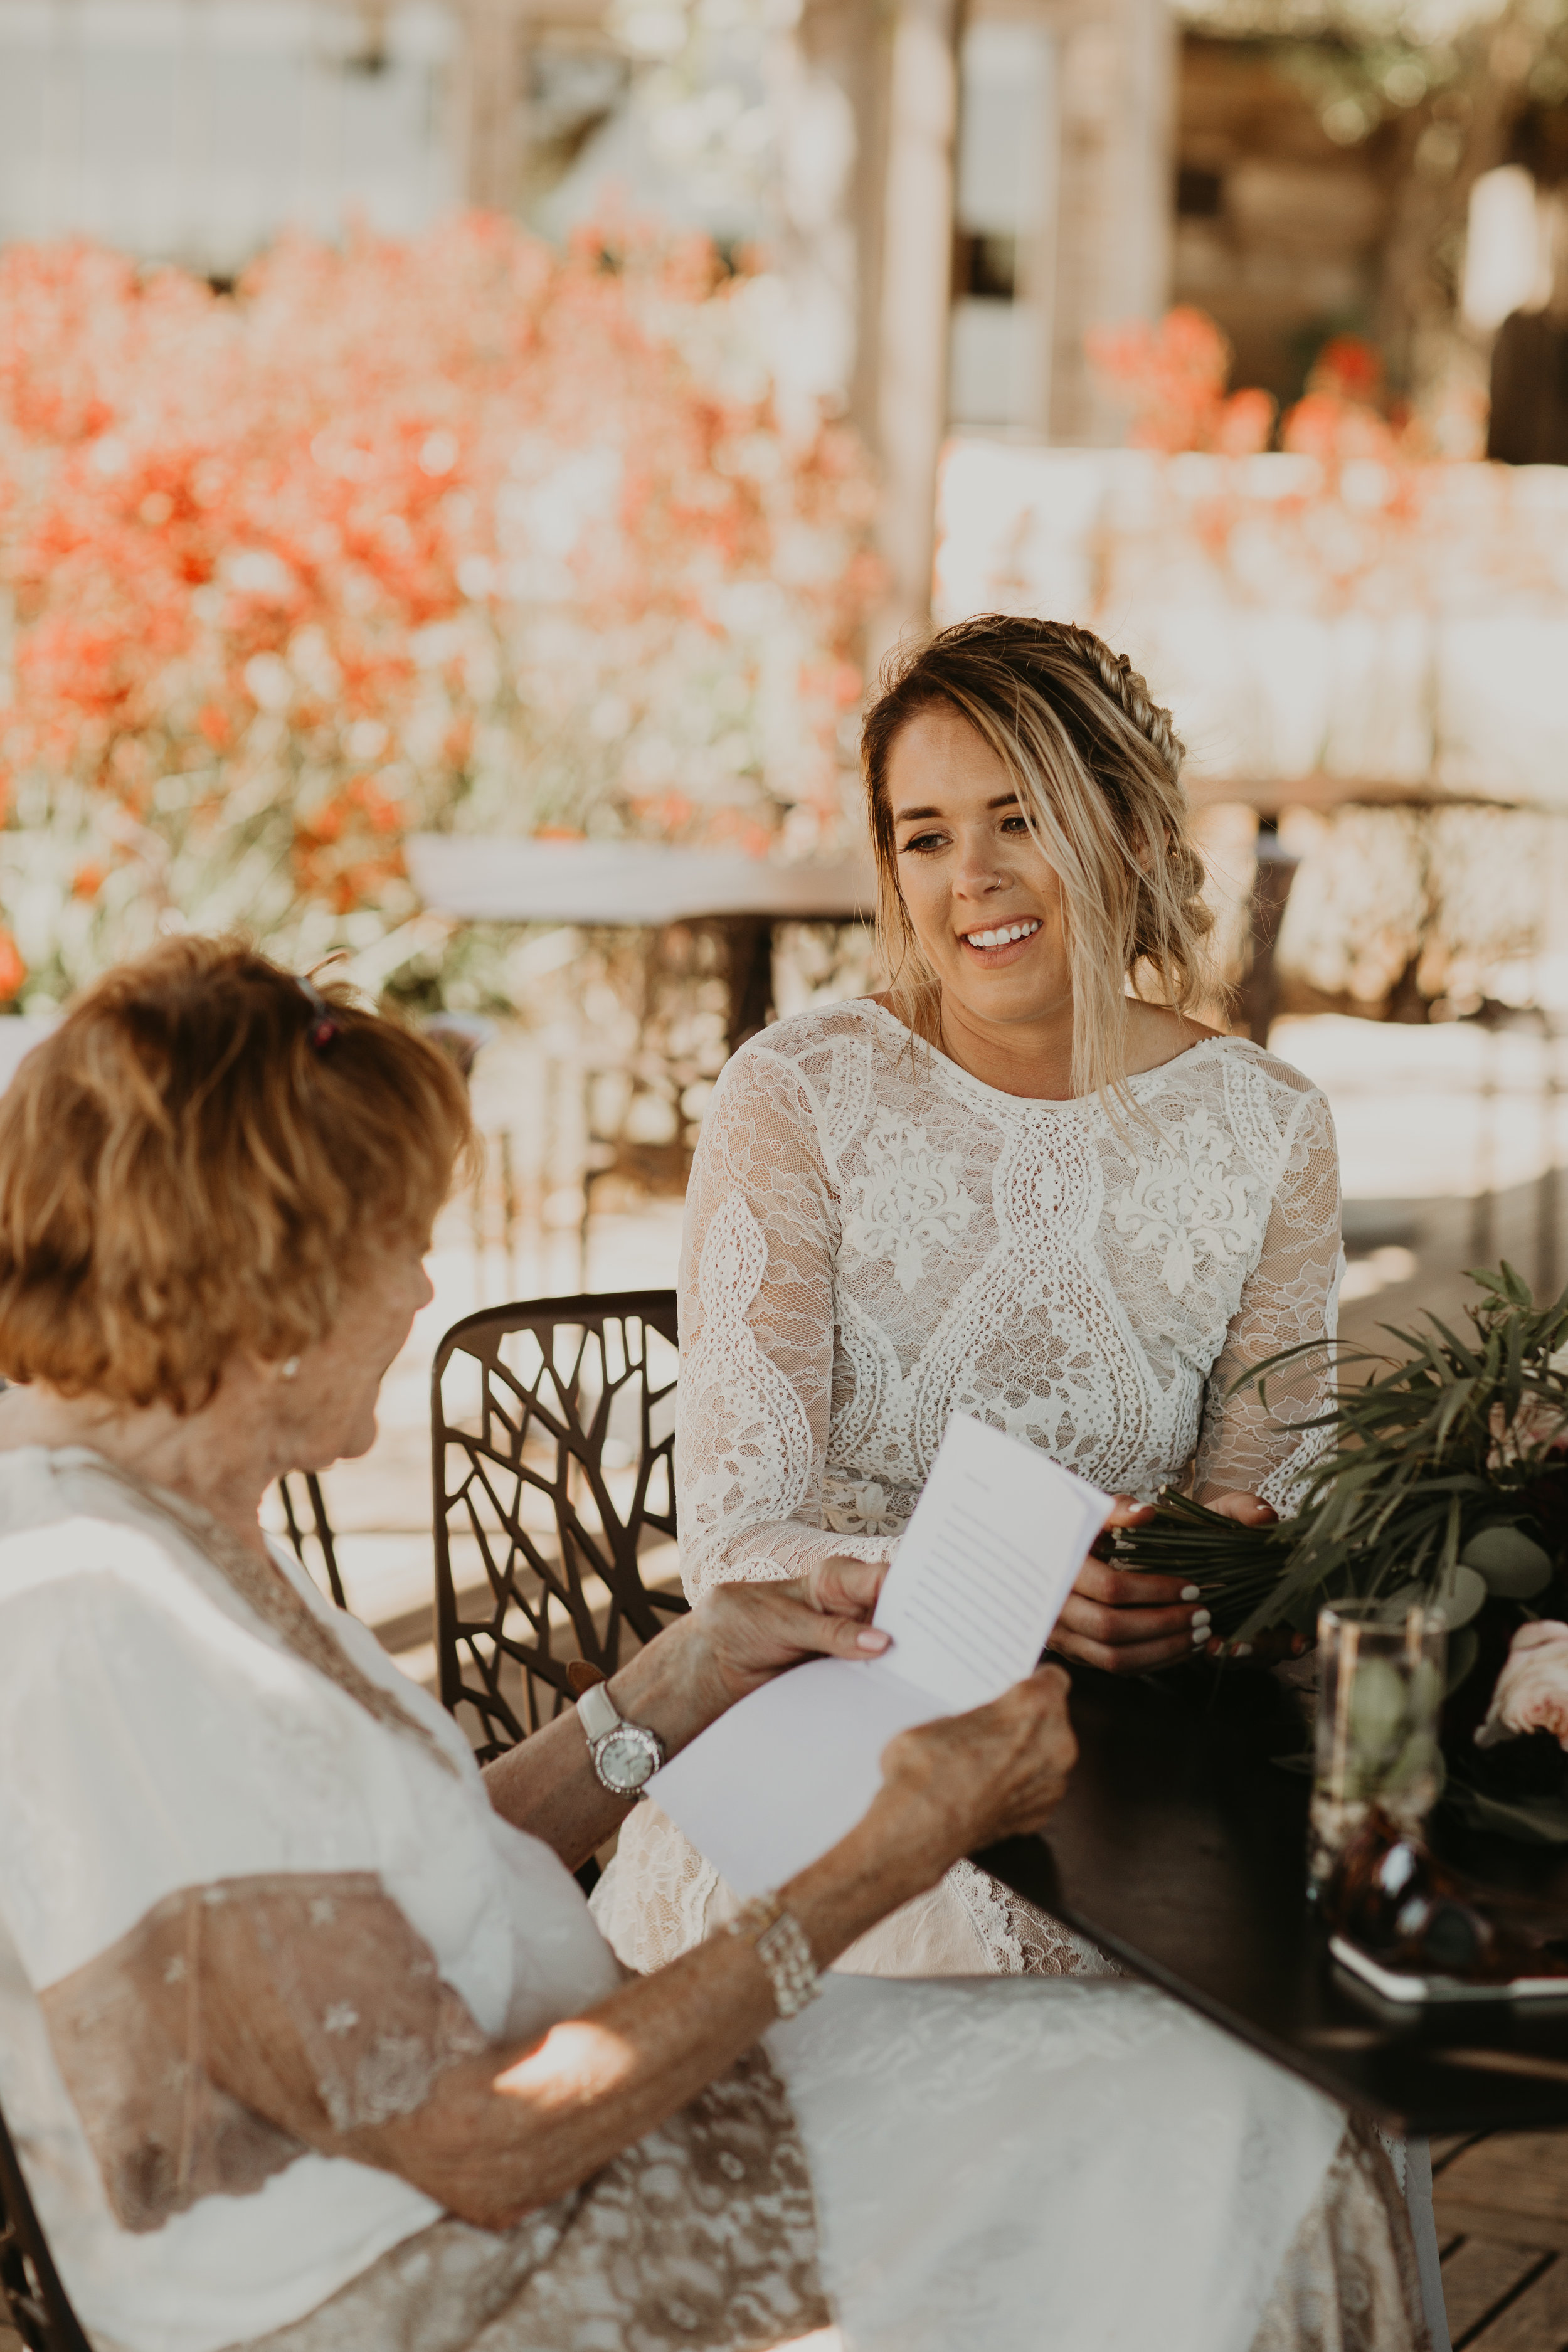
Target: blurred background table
487, 879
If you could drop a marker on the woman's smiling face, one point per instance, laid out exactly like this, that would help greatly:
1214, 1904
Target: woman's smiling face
987, 909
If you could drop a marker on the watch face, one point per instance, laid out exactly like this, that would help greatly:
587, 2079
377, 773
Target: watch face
626, 1759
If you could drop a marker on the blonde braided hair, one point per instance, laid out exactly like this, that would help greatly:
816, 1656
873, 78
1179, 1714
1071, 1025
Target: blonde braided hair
1128, 687
1097, 767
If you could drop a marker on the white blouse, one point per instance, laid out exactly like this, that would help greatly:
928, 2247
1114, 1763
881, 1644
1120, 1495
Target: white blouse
161, 1744
875, 1241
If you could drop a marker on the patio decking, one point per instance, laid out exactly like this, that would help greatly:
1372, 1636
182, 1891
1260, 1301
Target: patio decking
1503, 2225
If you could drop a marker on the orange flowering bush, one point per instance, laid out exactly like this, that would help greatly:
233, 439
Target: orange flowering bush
1174, 375
457, 532
1344, 413
1343, 516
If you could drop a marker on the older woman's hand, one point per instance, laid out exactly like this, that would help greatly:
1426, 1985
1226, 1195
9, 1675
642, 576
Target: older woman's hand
965, 1780
506, 2131
743, 1634
736, 1638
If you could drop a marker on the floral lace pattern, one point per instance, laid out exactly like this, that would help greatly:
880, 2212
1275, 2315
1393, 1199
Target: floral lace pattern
162, 2038
1349, 2282
1188, 1200
702, 2235
910, 1199
875, 1241
1019, 1940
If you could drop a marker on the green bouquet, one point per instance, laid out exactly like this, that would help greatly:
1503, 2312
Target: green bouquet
1442, 1478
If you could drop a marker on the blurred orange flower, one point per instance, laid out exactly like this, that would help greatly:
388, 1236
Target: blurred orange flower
1175, 373
394, 526
1342, 414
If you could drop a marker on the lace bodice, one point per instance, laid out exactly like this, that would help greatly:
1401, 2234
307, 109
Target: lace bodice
875, 1241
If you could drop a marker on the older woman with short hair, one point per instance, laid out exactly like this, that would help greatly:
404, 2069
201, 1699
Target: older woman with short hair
307, 2036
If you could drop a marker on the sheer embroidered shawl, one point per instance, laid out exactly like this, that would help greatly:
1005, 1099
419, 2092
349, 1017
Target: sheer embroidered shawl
253, 1899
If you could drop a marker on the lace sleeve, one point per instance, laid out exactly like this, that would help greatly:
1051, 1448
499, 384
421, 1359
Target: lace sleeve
756, 1335
1248, 1445
238, 2024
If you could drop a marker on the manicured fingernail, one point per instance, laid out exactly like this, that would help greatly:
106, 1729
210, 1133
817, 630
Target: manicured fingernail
1200, 1617
1243, 1650
871, 1637
1192, 1591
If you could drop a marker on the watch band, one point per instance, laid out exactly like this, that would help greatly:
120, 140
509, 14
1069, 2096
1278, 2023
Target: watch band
597, 1712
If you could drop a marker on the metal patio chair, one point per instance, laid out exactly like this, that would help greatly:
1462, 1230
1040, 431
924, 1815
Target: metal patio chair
321, 1528
553, 1427
31, 2296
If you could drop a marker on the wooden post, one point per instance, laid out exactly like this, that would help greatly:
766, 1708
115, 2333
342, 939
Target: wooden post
1260, 993
489, 102
1117, 114
914, 301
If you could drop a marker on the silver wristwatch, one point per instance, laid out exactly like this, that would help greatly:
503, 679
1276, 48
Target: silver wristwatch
626, 1756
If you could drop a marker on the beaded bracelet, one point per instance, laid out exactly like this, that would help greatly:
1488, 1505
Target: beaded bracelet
780, 1943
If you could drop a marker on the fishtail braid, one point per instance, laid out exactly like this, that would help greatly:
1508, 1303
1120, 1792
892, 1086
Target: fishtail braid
1128, 688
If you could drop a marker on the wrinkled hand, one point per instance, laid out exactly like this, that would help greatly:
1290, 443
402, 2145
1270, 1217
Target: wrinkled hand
749, 1632
961, 1782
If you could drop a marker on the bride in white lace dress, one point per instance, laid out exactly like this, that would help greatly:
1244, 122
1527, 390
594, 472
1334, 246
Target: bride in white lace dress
1007, 1189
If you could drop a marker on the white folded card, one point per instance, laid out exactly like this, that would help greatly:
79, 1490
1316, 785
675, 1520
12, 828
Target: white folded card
988, 1558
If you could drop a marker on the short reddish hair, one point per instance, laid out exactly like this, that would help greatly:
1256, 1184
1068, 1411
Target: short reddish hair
190, 1165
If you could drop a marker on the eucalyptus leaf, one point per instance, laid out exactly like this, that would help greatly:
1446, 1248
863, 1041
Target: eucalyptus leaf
1513, 1566
1463, 1652
1460, 1595
1417, 1759
1426, 1690
1379, 1707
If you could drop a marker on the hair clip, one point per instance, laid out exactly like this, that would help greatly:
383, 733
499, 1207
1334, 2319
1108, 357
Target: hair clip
325, 1026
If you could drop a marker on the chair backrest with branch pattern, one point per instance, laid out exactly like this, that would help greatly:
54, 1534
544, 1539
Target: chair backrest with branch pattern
553, 1424
31, 2296
317, 1525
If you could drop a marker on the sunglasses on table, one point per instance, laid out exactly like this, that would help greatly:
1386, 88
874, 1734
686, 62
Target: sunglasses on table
1398, 1903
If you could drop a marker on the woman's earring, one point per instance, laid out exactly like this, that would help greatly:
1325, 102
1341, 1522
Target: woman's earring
291, 1369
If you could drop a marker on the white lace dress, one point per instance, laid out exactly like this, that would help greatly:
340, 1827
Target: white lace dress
875, 1241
